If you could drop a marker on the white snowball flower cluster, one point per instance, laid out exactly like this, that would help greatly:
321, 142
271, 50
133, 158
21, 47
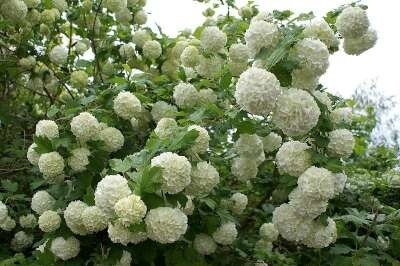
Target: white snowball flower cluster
21, 240
293, 158
353, 22
8, 224
244, 168
176, 171
27, 62
58, 55
115, 5
185, 95
79, 79
126, 105
311, 54
49, 221
47, 128
225, 234
81, 47
190, 56
125, 260
79, 159
320, 29
356, 46
152, 49
127, 50
51, 164
65, 249
130, 210
32, 155
322, 236
3, 212
340, 182
317, 183
166, 128
42, 201
209, 67
207, 96
124, 16
109, 191
84, 126
239, 52
94, 219
204, 244
341, 143
26, 221
140, 17
323, 97
261, 34
249, 145
342, 115
213, 39
13, 10
162, 109
305, 79
201, 143
238, 203
140, 37
296, 112
306, 206
165, 224
120, 234
112, 138
272, 142
73, 217
204, 177
268, 232
257, 91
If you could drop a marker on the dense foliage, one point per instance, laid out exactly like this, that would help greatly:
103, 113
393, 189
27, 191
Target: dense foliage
123, 146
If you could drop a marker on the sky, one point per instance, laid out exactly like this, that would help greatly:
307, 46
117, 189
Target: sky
345, 73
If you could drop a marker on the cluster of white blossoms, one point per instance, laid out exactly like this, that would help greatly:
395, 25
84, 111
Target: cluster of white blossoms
261, 34
126, 105
130, 210
244, 168
121, 234
341, 143
21, 240
26, 221
257, 91
166, 128
190, 56
79, 79
152, 49
162, 109
127, 51
213, 39
226, 234
6, 222
73, 217
49, 221
293, 158
320, 29
204, 244
112, 139
84, 126
238, 203
201, 143
343, 115
94, 219
210, 67
204, 178
272, 142
65, 249
176, 171
51, 164
13, 10
311, 54
79, 159
42, 201
32, 155
47, 128
165, 224
59, 55
185, 95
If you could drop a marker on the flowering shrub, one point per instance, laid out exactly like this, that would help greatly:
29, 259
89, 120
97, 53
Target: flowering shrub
216, 147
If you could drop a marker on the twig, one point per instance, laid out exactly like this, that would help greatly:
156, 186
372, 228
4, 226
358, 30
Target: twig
92, 41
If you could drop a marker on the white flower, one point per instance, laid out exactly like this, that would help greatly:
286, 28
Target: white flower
261, 34
94, 219
239, 52
244, 168
323, 97
152, 49
126, 105
51, 164
166, 128
268, 232
140, 17
356, 46
352, 22
120, 234
115, 5
175, 171
213, 39
42, 201
47, 128
21, 240
79, 79
204, 244
293, 158
3, 212
204, 178
249, 146
305, 79
49, 16
317, 183
322, 236
49, 221
32, 3
130, 210
59, 55
178, 49
209, 67
109, 191
162, 109
263, 245
124, 16
166, 225
126, 259
190, 56
341, 143
81, 47
61, 5
257, 91
112, 138
85, 126
65, 249
32, 155
225, 234
296, 112
321, 30
245, 12
238, 203
79, 159
27, 221
189, 206
311, 54
340, 182
272, 142
8, 224
201, 143
14, 10
140, 37
207, 96
185, 95
73, 217
127, 50
342, 115
27, 62
306, 206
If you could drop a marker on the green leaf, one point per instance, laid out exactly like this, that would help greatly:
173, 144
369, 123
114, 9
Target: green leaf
53, 110
9, 186
339, 249
183, 140
140, 227
149, 181
179, 199
88, 198
282, 15
121, 166
44, 145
